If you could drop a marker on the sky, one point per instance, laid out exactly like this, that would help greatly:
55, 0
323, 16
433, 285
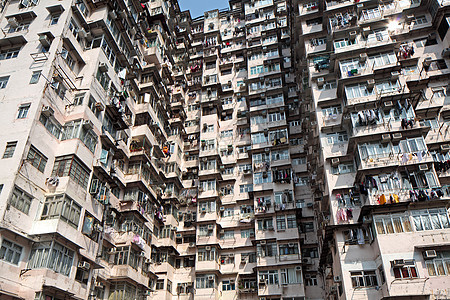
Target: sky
198, 7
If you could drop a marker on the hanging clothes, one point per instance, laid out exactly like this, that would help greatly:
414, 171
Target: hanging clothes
382, 199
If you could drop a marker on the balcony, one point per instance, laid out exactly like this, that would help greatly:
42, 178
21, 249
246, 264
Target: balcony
343, 21
127, 272
377, 161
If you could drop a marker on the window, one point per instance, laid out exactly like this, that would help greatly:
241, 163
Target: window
393, 224
337, 138
71, 166
246, 233
78, 99
159, 284
35, 77
271, 276
37, 159
288, 249
406, 270
439, 266
291, 221
419, 20
281, 223
265, 224
358, 236
204, 281
51, 255
103, 79
245, 188
343, 169
228, 285
54, 19
3, 82
23, 111
169, 286
62, 207
364, 279
20, 200
10, 252
9, 54
430, 219
311, 280
290, 276
9, 149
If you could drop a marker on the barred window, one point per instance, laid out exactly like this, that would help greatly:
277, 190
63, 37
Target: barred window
71, 166
37, 159
20, 200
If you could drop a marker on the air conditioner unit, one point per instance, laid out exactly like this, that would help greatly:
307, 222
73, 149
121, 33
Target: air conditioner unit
84, 265
363, 57
307, 260
244, 259
222, 208
262, 281
291, 245
113, 14
430, 254
337, 279
251, 234
13, 22
112, 250
423, 167
397, 136
210, 227
88, 124
179, 235
82, 33
335, 162
352, 35
367, 219
103, 67
394, 75
203, 209
445, 147
191, 244
445, 53
385, 138
370, 83
320, 82
211, 277
263, 242
398, 263
366, 31
222, 232
427, 62
47, 111
298, 268
45, 40
208, 248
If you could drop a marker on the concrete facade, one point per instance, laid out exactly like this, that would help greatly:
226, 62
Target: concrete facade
148, 155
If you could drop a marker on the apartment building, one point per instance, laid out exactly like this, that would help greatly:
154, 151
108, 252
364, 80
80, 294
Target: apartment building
375, 76
149, 155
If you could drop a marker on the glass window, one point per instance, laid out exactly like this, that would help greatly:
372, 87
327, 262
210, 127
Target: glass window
10, 252
71, 166
62, 207
51, 255
363, 279
37, 159
9, 149
35, 77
